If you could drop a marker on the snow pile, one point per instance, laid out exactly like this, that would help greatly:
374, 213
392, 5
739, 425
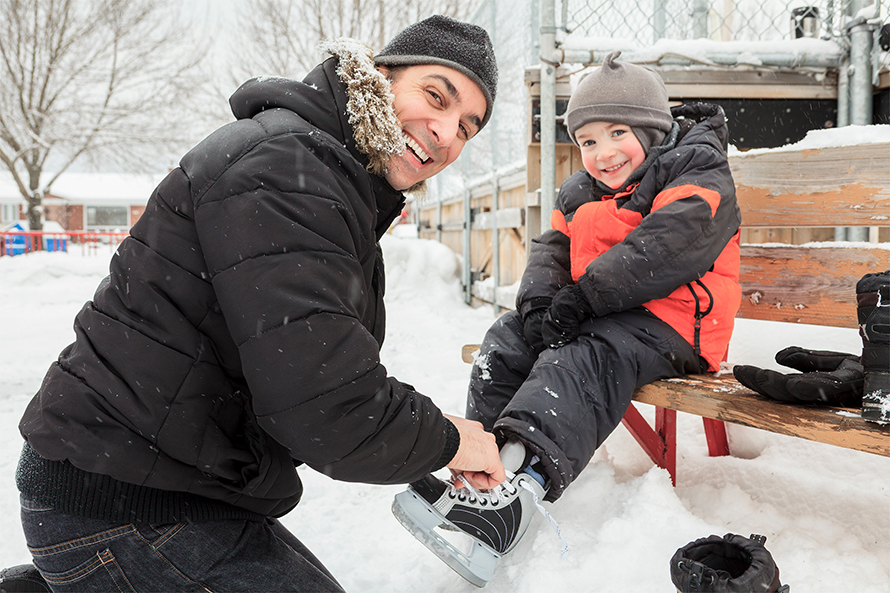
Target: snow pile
824, 510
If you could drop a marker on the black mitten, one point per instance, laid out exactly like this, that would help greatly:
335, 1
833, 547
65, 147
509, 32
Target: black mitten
531, 329
562, 322
833, 378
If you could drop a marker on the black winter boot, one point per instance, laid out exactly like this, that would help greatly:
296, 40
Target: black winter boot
873, 300
23, 578
728, 564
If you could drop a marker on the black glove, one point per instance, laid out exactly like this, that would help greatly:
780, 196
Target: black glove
531, 329
562, 323
833, 378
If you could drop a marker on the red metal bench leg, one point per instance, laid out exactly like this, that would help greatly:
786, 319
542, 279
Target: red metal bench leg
659, 444
715, 433
648, 439
666, 426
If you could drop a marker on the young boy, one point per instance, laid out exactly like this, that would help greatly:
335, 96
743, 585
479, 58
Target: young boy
636, 281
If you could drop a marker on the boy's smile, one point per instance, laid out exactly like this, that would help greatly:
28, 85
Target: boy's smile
610, 152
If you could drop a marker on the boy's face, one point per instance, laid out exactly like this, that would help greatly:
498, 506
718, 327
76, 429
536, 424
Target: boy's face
610, 152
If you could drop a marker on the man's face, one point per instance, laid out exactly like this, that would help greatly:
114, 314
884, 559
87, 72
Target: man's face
610, 152
440, 109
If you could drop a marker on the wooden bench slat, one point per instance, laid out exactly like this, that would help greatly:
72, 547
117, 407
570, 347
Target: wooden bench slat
815, 285
723, 398
827, 187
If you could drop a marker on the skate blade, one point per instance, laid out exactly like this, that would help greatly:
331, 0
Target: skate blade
420, 520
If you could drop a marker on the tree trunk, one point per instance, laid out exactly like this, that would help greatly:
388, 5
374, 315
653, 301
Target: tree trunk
35, 211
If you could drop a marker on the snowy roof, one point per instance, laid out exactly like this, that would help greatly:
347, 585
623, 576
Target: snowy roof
116, 188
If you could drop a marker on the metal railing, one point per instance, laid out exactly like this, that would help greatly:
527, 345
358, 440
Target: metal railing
23, 242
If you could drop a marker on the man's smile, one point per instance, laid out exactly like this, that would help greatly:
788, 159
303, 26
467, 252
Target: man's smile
415, 148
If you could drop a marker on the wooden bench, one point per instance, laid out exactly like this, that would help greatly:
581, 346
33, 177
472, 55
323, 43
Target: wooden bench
811, 284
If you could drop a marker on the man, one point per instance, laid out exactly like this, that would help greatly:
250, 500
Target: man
238, 334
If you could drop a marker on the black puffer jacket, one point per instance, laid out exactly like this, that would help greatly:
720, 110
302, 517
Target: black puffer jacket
240, 328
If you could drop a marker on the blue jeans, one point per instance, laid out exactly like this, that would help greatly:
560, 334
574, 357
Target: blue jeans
78, 554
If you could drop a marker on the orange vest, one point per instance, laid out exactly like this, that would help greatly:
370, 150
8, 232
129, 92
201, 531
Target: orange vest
597, 226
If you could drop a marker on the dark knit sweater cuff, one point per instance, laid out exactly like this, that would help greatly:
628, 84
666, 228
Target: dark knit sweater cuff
452, 443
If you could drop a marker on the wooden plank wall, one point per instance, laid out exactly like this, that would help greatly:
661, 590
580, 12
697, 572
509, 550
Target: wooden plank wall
511, 240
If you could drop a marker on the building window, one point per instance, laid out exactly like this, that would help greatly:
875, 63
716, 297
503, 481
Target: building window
9, 213
107, 217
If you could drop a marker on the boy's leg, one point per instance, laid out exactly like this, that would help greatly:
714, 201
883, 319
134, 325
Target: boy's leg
576, 395
502, 365
78, 554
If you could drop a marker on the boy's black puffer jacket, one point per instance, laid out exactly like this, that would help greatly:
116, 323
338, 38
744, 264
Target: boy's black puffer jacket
238, 333
668, 243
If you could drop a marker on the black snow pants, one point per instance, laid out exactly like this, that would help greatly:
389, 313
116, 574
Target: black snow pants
563, 403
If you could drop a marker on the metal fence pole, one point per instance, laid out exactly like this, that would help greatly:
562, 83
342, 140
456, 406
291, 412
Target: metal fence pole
439, 217
468, 260
700, 19
843, 94
861, 99
495, 245
495, 238
548, 111
659, 20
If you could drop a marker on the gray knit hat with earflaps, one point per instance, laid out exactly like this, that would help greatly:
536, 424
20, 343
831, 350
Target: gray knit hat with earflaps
448, 42
622, 93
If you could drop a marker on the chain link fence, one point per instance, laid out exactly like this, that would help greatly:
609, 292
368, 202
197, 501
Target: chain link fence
647, 21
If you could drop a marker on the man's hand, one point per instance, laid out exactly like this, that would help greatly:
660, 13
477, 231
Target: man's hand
562, 323
477, 457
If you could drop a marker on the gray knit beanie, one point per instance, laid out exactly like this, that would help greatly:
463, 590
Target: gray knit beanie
445, 41
622, 93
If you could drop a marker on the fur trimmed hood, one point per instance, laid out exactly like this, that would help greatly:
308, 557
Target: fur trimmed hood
368, 123
377, 131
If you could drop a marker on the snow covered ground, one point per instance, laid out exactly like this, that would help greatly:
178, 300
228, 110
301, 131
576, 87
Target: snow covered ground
825, 511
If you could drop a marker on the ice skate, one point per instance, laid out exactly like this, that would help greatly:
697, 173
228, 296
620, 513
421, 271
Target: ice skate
495, 520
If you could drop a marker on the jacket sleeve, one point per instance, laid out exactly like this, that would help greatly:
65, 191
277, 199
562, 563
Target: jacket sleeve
288, 251
547, 270
549, 265
691, 220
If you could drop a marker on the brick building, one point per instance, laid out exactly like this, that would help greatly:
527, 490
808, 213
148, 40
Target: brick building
85, 201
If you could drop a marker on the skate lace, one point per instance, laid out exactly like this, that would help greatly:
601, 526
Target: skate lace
496, 495
564, 545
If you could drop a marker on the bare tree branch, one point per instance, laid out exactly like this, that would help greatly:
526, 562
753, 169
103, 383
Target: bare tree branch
281, 37
101, 80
